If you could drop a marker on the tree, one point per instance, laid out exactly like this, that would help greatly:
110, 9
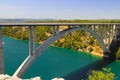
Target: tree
105, 74
118, 54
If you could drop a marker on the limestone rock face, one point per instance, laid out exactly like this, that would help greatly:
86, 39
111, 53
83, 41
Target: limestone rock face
58, 79
7, 77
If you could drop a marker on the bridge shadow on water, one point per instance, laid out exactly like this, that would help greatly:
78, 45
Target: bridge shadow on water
82, 73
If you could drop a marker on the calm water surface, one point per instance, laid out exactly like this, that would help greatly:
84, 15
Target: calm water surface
54, 62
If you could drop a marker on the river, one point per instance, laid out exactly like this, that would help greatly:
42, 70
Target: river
54, 62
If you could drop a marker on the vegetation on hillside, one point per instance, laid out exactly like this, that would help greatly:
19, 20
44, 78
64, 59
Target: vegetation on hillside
77, 21
105, 74
118, 54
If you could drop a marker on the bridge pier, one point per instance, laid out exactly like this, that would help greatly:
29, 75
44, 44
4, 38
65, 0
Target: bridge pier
1, 54
32, 40
55, 30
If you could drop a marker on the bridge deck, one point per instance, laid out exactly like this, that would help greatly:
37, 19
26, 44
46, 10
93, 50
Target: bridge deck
54, 24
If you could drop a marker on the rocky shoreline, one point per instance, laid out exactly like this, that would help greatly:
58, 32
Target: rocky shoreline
7, 77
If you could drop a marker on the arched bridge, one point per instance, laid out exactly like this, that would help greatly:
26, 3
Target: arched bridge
104, 33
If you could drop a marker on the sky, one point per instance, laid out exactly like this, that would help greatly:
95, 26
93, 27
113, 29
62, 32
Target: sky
60, 9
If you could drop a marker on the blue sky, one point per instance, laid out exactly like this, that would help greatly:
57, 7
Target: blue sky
60, 9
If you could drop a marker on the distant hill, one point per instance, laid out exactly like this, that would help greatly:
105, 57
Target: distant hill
19, 20
24, 20
12, 20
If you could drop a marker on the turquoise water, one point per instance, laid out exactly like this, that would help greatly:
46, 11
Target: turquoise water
115, 66
54, 62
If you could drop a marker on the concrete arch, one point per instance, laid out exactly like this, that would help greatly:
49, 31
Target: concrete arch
67, 31
93, 33
30, 59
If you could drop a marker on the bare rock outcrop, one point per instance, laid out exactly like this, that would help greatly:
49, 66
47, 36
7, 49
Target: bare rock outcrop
7, 77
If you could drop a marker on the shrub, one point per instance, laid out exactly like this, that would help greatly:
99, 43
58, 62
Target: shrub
105, 74
118, 54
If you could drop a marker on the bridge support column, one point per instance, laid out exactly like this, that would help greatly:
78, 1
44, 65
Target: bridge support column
55, 30
1, 54
32, 40
110, 35
103, 33
98, 30
115, 33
